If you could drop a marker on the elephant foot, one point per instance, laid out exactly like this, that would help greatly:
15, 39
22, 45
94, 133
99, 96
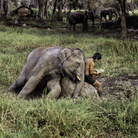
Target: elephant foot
53, 94
12, 88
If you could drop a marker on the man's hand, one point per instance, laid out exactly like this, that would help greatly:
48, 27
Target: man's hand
97, 75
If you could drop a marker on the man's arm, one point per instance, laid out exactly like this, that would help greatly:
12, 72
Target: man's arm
92, 71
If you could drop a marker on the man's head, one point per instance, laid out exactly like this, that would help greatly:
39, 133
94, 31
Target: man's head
97, 56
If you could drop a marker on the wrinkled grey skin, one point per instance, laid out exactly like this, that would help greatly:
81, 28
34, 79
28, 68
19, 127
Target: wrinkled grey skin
68, 87
45, 67
109, 11
80, 17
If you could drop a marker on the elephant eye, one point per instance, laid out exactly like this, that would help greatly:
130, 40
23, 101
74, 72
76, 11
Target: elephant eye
77, 64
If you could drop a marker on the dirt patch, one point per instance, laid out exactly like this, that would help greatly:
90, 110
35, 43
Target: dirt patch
122, 87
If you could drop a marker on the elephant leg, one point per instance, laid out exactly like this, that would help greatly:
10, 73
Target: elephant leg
31, 83
54, 87
101, 16
74, 25
110, 16
69, 26
19, 82
105, 18
28, 88
84, 26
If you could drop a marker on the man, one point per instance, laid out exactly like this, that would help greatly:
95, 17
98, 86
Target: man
91, 74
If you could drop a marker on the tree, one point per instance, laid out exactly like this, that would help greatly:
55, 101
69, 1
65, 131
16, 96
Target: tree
123, 18
58, 4
8, 8
5, 8
1, 8
44, 6
54, 10
41, 8
97, 5
17, 3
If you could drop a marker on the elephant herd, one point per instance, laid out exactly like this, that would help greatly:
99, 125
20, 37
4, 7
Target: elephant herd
73, 17
60, 70
82, 17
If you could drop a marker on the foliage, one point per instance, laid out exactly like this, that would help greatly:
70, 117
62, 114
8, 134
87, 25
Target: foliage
97, 5
42, 117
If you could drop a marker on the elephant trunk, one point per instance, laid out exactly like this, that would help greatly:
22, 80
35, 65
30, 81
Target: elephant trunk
79, 84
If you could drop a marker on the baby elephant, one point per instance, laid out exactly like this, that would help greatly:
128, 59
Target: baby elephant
109, 11
80, 17
45, 67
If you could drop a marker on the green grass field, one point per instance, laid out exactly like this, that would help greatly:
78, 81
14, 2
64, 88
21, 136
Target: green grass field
42, 117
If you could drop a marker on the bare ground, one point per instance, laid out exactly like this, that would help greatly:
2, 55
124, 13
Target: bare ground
122, 87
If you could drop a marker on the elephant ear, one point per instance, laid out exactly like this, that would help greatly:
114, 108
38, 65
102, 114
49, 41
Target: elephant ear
77, 53
64, 54
113, 10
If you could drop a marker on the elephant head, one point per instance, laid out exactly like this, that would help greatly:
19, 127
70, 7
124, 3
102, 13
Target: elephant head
73, 66
115, 12
90, 16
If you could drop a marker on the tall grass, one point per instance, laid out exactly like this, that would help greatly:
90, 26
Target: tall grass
82, 117
67, 118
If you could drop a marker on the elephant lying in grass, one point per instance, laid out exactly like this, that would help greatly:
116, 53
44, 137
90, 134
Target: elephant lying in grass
45, 67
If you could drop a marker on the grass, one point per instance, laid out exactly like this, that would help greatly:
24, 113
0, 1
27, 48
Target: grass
82, 117
67, 118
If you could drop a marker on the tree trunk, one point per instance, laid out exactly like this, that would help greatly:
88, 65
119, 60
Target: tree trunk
123, 26
46, 8
54, 11
59, 14
123, 18
8, 8
41, 9
1, 8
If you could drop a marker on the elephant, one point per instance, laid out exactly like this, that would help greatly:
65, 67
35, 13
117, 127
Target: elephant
45, 67
80, 17
108, 11
68, 87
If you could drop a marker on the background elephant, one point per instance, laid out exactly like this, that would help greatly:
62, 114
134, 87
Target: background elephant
68, 87
80, 17
109, 11
45, 67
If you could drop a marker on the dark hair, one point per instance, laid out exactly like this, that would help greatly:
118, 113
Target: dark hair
97, 55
